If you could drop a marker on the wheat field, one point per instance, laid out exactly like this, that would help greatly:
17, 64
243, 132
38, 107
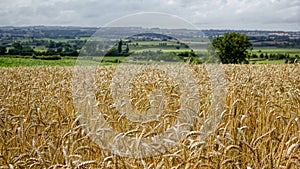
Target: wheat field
259, 129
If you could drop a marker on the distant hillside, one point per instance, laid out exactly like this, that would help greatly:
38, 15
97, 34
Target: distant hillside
258, 38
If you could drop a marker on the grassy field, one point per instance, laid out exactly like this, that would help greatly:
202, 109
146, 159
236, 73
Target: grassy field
266, 61
291, 51
259, 129
13, 61
53, 39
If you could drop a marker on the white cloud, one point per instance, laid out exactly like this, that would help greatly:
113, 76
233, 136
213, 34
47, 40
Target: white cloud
206, 14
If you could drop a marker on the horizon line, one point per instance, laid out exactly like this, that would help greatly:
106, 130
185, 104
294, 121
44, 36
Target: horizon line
215, 29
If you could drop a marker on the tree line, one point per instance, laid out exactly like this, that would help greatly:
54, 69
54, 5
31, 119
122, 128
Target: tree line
42, 48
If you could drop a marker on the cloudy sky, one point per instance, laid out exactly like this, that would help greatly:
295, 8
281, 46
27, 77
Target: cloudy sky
205, 14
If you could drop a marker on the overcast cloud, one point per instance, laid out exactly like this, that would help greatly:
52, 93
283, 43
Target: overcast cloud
205, 14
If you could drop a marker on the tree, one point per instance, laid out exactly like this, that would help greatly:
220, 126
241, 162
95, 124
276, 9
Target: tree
127, 49
112, 52
261, 55
17, 46
120, 44
2, 50
26, 51
232, 47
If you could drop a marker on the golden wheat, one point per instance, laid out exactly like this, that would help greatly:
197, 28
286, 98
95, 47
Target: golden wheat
259, 129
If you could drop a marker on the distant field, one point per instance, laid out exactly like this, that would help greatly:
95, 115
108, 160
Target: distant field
140, 46
40, 48
266, 61
54, 39
71, 61
67, 61
11, 62
269, 50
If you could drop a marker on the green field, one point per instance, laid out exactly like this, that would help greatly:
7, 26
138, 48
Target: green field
266, 61
136, 46
14, 61
291, 51
71, 61
7, 61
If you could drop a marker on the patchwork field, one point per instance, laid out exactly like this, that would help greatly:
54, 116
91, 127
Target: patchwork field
259, 129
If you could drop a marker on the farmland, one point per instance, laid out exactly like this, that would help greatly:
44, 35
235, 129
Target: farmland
259, 55
53, 117
10, 61
44, 43
259, 129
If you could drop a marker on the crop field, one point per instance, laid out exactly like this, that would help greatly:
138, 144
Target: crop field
259, 129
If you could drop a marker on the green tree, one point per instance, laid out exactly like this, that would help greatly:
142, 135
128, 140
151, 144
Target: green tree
261, 55
232, 47
112, 52
26, 51
17, 46
127, 49
2, 50
59, 50
120, 44
267, 56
